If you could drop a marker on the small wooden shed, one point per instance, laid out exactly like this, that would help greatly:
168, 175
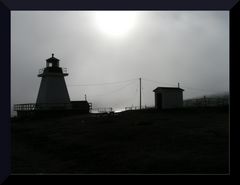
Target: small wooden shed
168, 97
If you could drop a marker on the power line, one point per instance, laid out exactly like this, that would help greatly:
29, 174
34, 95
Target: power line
116, 90
131, 99
134, 80
185, 87
105, 83
157, 82
197, 89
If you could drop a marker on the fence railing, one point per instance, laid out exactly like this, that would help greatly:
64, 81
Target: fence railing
138, 107
24, 107
63, 70
40, 71
33, 106
102, 110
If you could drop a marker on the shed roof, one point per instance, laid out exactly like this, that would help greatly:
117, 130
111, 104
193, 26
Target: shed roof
167, 88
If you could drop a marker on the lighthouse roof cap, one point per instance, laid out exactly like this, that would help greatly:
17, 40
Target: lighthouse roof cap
52, 59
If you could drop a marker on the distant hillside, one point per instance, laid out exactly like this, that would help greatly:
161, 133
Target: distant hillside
220, 99
218, 95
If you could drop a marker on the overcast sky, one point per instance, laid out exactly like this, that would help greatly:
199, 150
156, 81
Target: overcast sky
191, 48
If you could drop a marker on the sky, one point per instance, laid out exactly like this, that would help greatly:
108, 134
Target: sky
106, 53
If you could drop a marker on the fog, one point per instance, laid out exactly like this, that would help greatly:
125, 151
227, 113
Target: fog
189, 47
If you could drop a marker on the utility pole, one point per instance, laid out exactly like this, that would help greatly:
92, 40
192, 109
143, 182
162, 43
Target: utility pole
85, 97
178, 85
140, 81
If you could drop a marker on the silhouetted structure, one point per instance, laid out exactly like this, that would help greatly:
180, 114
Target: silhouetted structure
53, 90
168, 97
81, 106
53, 98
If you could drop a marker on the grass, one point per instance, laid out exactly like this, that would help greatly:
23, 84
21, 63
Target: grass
188, 141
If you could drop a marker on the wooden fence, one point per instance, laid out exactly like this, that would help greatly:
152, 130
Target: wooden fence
102, 110
33, 106
138, 107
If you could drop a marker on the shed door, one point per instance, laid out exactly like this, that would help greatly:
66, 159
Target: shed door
159, 100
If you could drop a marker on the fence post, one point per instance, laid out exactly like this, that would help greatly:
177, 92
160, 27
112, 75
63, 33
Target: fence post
204, 99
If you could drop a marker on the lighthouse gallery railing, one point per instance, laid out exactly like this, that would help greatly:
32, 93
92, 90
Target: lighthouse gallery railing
63, 70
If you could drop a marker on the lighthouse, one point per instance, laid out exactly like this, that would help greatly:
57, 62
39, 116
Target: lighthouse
53, 91
53, 98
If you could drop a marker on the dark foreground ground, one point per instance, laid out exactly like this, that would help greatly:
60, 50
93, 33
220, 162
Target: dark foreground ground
187, 141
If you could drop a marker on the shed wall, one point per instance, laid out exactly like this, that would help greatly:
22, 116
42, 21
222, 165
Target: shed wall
170, 99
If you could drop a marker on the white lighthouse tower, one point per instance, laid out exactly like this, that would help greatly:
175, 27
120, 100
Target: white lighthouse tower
53, 91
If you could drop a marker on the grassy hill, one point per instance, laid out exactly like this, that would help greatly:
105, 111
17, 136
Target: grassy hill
191, 140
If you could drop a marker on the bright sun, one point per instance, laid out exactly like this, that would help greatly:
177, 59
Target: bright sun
115, 23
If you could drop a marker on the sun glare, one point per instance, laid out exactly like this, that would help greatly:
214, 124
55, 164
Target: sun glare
115, 23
